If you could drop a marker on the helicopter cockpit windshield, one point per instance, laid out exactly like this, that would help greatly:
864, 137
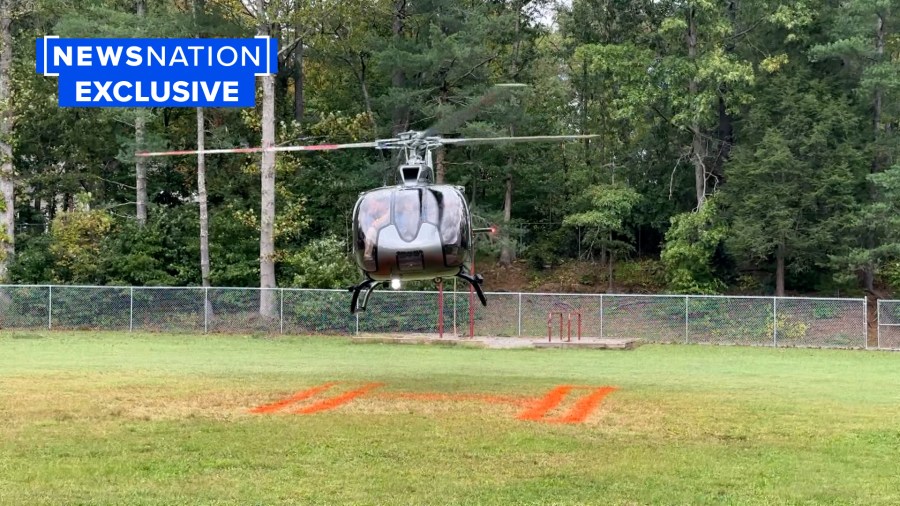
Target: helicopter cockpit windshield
407, 211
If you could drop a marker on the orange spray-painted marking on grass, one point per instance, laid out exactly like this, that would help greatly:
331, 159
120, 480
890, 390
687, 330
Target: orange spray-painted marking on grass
578, 413
337, 400
299, 396
536, 409
550, 401
584, 406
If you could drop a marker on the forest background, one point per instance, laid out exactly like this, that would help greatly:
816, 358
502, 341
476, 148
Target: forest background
745, 146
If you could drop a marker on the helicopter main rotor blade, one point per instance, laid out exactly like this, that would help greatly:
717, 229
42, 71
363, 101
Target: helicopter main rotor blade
457, 119
313, 147
506, 140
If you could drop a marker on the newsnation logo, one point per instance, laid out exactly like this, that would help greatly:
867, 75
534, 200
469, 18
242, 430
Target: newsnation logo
157, 72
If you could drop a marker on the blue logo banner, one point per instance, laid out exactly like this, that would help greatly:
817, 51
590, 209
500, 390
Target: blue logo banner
157, 72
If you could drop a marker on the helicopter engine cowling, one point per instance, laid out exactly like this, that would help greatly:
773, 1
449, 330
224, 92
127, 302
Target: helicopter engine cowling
411, 233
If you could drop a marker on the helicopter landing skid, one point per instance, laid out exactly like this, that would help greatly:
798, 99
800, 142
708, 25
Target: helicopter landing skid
475, 281
368, 285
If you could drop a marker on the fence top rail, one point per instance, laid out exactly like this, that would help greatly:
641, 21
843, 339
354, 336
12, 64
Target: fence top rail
457, 292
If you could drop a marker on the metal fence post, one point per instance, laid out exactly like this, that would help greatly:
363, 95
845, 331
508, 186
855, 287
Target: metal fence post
601, 316
866, 321
281, 312
50, 307
774, 322
131, 309
520, 315
357, 323
205, 311
686, 319
878, 322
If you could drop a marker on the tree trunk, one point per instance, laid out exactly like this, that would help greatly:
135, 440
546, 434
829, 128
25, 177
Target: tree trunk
439, 172
507, 251
7, 171
726, 123
877, 160
400, 121
140, 163
698, 152
609, 273
201, 195
299, 78
367, 100
267, 174
779, 270
140, 169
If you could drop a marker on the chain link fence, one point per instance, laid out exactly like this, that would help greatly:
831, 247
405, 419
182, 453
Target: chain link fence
753, 321
889, 324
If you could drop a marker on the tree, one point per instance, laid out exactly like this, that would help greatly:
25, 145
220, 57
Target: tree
198, 10
787, 190
691, 246
140, 163
705, 70
267, 174
860, 33
7, 123
607, 208
880, 217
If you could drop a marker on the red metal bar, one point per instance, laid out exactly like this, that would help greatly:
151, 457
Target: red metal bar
560, 325
579, 325
569, 329
549, 327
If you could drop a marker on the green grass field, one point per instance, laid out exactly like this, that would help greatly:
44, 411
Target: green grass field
110, 418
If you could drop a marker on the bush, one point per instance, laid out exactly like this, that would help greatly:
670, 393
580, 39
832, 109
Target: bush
323, 263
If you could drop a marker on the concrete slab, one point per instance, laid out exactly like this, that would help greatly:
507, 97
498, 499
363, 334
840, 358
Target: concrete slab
496, 342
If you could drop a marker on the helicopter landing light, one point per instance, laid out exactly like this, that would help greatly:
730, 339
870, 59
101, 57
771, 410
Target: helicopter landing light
395, 283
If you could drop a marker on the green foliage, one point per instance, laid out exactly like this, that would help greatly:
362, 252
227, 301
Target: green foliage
645, 275
824, 311
323, 263
690, 246
880, 218
163, 252
605, 209
33, 263
76, 240
788, 328
891, 275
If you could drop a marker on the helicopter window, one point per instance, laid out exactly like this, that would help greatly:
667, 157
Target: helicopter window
374, 213
451, 219
430, 207
407, 213
410, 173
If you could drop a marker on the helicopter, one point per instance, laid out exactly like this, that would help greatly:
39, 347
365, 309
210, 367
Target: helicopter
414, 230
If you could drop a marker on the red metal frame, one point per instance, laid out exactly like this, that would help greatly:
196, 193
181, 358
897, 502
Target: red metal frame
569, 315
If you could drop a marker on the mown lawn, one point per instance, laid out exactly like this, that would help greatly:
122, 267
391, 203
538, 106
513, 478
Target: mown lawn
108, 418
